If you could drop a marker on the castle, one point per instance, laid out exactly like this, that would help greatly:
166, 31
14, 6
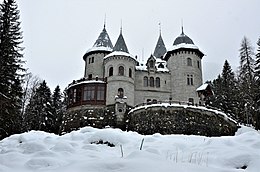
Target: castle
115, 77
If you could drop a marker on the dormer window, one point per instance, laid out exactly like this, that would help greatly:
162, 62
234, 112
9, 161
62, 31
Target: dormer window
160, 65
151, 64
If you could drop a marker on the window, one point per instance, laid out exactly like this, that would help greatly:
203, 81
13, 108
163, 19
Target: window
198, 63
110, 73
120, 93
189, 62
130, 72
157, 82
74, 95
189, 79
151, 64
191, 101
89, 92
151, 82
89, 60
160, 65
145, 81
100, 92
90, 76
121, 71
92, 60
154, 101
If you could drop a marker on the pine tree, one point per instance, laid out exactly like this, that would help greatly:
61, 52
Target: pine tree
58, 110
39, 112
11, 68
246, 81
257, 86
229, 90
225, 88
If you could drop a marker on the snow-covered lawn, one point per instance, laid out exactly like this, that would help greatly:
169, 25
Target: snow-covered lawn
78, 151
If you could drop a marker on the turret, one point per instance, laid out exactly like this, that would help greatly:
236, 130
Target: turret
120, 72
184, 62
94, 56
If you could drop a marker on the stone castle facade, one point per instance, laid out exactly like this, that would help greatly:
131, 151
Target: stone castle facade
114, 77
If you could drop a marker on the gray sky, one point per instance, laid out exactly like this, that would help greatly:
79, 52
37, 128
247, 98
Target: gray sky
57, 33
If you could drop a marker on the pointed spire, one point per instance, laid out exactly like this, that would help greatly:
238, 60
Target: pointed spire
105, 21
103, 40
160, 48
120, 43
182, 33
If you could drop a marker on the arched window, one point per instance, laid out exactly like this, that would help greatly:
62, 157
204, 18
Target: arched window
157, 82
189, 62
110, 71
151, 82
120, 93
121, 71
145, 81
130, 72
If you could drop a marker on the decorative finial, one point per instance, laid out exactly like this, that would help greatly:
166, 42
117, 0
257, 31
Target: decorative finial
182, 27
105, 21
121, 27
160, 28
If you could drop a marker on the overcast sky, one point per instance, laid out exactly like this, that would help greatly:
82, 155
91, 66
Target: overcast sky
57, 33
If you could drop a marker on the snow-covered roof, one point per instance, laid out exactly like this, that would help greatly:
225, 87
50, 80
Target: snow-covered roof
202, 87
99, 49
119, 53
86, 82
160, 48
183, 45
103, 43
158, 61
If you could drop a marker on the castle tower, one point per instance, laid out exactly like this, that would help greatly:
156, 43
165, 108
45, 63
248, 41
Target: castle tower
95, 55
184, 62
120, 71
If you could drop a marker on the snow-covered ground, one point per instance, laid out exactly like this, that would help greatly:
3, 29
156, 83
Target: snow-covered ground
39, 151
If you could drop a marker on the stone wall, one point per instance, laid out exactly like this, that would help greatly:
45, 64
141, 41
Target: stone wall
180, 120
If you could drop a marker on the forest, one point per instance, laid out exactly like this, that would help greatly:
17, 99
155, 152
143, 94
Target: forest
27, 103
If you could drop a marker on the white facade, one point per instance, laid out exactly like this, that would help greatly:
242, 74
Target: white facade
174, 74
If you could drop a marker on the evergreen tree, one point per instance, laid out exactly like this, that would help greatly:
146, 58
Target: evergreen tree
58, 110
39, 112
246, 81
11, 69
229, 90
257, 86
225, 91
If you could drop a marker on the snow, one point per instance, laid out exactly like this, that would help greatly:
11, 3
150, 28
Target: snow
184, 106
81, 151
99, 48
202, 87
119, 53
87, 82
184, 45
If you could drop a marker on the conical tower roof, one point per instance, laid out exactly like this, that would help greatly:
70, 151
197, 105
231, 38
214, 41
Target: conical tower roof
120, 44
160, 48
103, 40
102, 44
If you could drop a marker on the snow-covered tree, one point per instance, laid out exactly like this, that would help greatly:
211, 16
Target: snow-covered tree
257, 86
246, 81
58, 109
11, 68
39, 111
225, 90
